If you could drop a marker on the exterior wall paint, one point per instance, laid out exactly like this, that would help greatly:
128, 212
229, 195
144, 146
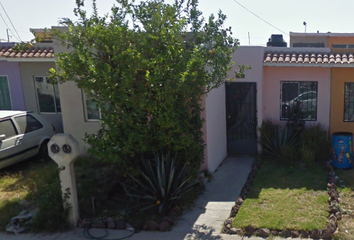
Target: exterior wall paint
73, 114
215, 128
309, 39
340, 40
28, 71
339, 77
253, 56
274, 75
12, 71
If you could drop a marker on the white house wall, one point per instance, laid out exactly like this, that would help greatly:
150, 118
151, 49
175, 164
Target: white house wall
216, 127
73, 113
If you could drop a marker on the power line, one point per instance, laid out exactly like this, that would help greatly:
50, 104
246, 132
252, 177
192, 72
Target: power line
7, 26
260, 18
19, 38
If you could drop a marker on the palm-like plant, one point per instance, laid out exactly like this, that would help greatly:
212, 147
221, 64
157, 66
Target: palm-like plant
164, 181
280, 139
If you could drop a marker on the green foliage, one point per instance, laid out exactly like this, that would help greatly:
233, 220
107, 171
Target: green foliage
241, 70
315, 139
147, 65
307, 155
310, 145
164, 183
37, 186
278, 141
51, 215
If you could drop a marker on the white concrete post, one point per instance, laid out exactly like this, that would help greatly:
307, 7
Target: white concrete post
64, 150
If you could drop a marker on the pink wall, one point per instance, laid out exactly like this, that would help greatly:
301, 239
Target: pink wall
271, 90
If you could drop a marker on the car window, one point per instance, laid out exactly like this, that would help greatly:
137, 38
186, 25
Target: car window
7, 127
28, 123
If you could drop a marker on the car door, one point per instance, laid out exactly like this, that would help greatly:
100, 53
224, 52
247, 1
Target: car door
9, 152
31, 129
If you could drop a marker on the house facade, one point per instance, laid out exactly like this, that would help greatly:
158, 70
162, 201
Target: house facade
315, 72
24, 83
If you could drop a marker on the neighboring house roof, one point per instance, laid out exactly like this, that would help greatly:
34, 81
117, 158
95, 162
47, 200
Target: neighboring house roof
39, 52
308, 59
34, 52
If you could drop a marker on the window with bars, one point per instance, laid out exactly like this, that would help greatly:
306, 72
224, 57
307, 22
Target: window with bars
302, 94
349, 102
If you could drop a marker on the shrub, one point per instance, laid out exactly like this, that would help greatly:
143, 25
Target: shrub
311, 144
164, 182
149, 81
315, 139
278, 141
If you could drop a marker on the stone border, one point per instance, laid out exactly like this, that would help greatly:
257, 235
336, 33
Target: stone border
326, 233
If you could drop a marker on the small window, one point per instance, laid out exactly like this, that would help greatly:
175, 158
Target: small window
349, 102
47, 95
28, 123
7, 127
92, 111
303, 94
347, 46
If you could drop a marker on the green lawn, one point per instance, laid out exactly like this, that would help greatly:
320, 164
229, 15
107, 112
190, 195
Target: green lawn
284, 196
346, 194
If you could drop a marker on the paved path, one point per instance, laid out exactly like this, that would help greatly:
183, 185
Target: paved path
204, 221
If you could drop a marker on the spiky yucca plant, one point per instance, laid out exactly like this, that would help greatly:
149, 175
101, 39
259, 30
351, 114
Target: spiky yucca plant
164, 182
280, 139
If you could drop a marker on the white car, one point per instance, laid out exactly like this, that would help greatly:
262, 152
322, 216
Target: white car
23, 135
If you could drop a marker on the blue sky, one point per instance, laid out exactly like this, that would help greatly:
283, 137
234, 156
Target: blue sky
320, 15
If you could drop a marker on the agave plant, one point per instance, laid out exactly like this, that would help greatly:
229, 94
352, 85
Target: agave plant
280, 139
163, 182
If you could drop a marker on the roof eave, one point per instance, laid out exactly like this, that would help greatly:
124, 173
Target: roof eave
322, 65
28, 59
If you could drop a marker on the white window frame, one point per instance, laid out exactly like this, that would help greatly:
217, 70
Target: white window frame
9, 88
87, 119
53, 95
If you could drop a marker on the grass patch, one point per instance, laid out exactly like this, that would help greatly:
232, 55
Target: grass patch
32, 185
346, 193
286, 196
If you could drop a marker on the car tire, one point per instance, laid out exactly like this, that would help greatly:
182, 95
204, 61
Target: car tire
43, 151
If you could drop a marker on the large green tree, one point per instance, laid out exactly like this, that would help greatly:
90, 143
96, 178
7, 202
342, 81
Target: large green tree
147, 65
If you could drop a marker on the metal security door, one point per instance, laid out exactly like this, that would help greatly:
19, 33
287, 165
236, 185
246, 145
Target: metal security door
241, 114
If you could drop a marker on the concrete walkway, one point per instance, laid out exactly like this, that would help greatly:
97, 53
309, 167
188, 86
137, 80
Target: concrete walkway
204, 221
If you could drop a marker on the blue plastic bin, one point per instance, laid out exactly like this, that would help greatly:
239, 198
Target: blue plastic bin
342, 150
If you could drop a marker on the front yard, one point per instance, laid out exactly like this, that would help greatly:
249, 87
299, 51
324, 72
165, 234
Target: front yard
283, 196
32, 185
346, 194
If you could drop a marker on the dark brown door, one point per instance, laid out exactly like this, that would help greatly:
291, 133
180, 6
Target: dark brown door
241, 118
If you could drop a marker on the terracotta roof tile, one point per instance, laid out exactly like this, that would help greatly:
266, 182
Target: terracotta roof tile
35, 52
277, 57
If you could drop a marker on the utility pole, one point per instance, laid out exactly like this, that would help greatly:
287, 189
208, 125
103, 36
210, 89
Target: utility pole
8, 36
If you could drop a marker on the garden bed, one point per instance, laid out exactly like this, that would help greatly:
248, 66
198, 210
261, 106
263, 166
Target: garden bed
289, 200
